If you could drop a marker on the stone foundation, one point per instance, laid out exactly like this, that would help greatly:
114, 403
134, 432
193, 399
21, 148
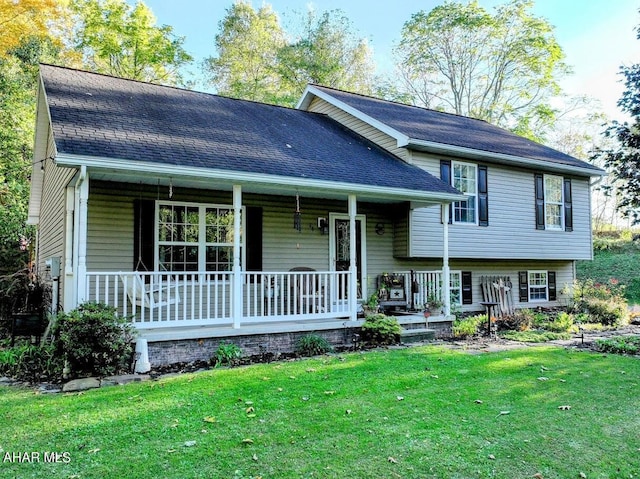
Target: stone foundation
162, 353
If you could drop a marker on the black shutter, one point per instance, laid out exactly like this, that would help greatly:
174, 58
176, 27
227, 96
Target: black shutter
539, 182
254, 238
445, 175
483, 196
143, 234
551, 284
523, 286
568, 206
467, 293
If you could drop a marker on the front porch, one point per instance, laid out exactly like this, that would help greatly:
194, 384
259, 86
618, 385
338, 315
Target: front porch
170, 306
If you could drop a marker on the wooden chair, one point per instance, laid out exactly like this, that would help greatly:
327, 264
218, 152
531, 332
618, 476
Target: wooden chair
149, 296
307, 290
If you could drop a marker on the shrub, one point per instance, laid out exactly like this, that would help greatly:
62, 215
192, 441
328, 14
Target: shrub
312, 345
610, 312
563, 323
621, 345
227, 354
603, 303
534, 336
520, 320
94, 340
467, 327
381, 329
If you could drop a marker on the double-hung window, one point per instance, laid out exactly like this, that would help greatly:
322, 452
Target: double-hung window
554, 209
455, 287
537, 285
194, 237
464, 179
553, 202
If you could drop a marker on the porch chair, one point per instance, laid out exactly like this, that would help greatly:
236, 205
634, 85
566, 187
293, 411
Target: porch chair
308, 291
149, 296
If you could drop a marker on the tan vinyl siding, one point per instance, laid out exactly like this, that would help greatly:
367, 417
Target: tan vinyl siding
511, 233
51, 226
381, 139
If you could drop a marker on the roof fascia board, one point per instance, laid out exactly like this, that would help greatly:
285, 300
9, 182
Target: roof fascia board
501, 157
310, 90
240, 177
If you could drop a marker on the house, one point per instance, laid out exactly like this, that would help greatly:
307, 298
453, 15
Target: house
204, 217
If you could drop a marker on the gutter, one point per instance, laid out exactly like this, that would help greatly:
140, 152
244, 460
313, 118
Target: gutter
141, 168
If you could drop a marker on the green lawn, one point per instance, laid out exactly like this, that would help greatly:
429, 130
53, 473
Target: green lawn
422, 412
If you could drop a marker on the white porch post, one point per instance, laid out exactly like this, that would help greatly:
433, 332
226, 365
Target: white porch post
83, 199
237, 292
353, 268
446, 276
68, 300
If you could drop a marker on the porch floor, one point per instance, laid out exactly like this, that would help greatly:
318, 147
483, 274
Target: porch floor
406, 320
202, 332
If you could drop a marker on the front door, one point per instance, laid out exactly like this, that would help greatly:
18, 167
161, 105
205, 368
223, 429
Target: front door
340, 243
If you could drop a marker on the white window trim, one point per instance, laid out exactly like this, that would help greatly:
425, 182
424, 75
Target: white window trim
475, 195
548, 226
457, 273
529, 286
201, 243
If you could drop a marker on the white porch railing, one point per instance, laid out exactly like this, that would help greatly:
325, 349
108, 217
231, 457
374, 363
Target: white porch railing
426, 285
156, 300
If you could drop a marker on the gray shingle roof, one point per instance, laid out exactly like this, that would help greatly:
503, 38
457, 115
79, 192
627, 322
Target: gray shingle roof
448, 129
103, 116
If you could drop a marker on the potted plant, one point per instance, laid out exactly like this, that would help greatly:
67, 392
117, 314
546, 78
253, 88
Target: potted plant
370, 306
434, 306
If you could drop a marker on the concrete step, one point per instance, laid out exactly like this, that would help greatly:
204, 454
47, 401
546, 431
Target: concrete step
417, 335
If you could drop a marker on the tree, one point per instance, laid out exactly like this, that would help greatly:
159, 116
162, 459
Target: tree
623, 159
18, 74
124, 41
327, 53
247, 45
21, 19
501, 68
257, 60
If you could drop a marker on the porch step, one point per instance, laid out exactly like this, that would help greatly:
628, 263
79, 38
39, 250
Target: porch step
417, 335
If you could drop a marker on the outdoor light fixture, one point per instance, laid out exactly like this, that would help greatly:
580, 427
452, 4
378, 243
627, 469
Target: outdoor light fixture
323, 225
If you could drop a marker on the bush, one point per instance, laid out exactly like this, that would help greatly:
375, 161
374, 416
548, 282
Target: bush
621, 345
312, 345
520, 320
562, 323
534, 336
467, 327
94, 340
227, 354
603, 303
381, 329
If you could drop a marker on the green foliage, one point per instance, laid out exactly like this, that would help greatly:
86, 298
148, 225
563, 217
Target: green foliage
534, 336
502, 68
227, 354
381, 329
620, 345
312, 345
94, 340
118, 39
603, 303
467, 327
29, 362
623, 159
520, 320
256, 60
23, 291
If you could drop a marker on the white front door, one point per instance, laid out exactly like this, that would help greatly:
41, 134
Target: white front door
339, 247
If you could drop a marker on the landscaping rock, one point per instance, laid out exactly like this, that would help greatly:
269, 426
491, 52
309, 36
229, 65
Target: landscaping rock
46, 388
5, 381
81, 385
124, 379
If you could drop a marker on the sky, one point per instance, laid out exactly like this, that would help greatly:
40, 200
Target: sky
597, 36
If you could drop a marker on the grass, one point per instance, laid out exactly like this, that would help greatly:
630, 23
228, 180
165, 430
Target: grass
534, 336
419, 412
